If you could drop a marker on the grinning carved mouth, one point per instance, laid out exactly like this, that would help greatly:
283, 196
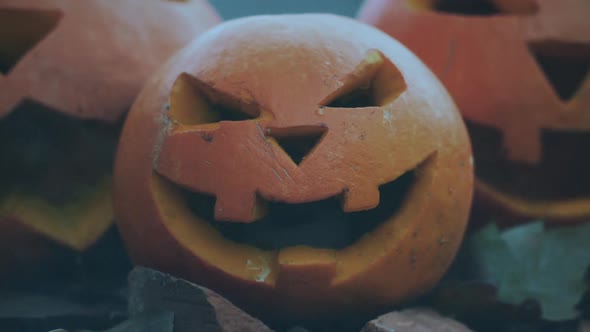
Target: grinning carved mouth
52, 156
319, 224
562, 174
55, 174
266, 184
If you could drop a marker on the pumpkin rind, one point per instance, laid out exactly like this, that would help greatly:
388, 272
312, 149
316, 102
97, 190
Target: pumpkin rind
496, 68
291, 68
84, 60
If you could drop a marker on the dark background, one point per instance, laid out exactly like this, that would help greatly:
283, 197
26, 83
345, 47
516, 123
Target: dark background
229, 9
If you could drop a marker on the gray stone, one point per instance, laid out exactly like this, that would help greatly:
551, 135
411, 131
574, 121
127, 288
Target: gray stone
195, 308
297, 329
147, 322
414, 320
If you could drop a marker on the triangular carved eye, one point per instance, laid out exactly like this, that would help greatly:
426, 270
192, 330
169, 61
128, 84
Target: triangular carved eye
20, 31
476, 7
297, 142
193, 102
374, 82
565, 65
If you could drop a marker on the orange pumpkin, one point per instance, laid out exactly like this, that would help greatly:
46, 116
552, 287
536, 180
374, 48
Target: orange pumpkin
69, 70
518, 71
301, 165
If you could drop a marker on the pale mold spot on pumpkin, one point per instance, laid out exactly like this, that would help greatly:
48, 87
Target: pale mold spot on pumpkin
388, 120
443, 241
165, 124
261, 266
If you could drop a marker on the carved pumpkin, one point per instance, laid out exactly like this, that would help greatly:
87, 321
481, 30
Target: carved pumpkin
69, 70
518, 71
301, 165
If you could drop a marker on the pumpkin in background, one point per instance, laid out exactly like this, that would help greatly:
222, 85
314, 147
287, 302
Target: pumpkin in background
518, 71
69, 70
301, 165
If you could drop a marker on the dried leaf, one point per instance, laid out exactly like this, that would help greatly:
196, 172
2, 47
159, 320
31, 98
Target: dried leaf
532, 262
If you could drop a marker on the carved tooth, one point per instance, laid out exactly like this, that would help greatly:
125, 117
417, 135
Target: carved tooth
304, 268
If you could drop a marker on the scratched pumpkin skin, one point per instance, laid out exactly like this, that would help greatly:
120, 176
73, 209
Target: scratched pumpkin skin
518, 71
69, 71
222, 120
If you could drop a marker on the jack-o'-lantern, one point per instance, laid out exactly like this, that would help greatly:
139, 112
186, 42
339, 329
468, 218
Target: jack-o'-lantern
518, 71
301, 165
69, 70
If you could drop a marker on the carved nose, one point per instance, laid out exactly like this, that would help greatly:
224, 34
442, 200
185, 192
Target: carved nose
297, 142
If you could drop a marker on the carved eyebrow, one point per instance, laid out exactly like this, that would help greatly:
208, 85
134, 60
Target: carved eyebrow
376, 81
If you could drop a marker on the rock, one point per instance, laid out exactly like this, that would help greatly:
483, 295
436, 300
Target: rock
195, 308
297, 329
414, 320
147, 322
46, 311
585, 326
